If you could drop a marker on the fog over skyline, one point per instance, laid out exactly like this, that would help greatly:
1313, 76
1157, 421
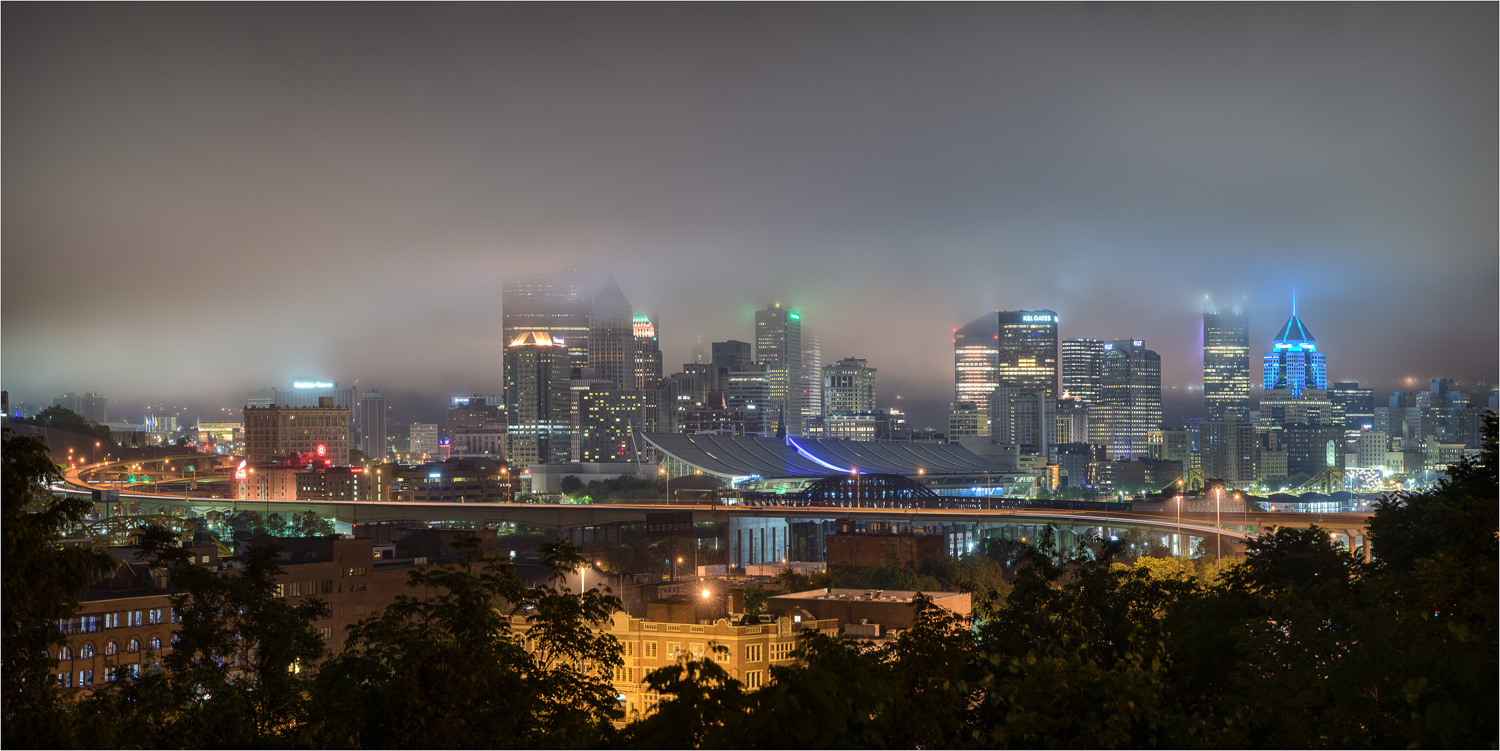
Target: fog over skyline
202, 200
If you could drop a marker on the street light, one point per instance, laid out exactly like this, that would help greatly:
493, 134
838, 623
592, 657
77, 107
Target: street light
1219, 530
663, 472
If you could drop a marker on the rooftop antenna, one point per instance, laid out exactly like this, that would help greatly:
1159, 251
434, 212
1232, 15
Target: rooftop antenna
1294, 302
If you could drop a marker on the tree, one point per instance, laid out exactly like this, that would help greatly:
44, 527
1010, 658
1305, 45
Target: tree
454, 670
43, 583
699, 700
570, 484
240, 665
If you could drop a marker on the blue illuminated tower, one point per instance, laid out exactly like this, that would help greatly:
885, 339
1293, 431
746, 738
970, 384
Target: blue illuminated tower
1294, 362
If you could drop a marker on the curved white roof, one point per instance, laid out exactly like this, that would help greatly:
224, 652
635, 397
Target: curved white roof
743, 456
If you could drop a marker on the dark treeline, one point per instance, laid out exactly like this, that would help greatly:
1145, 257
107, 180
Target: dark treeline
1300, 645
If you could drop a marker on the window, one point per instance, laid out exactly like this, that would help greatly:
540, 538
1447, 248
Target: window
156, 643
782, 651
627, 649
755, 652
310, 588
357, 587
90, 624
327, 586
65, 654
109, 675
676, 650
175, 617
135, 618
295, 590
86, 652
326, 632
134, 670
650, 648
281, 590
154, 616
111, 648
697, 651
65, 680
754, 679
111, 620
85, 678
134, 646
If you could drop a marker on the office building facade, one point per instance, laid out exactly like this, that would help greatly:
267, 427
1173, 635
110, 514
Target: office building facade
848, 387
1082, 363
538, 403
1130, 398
1226, 364
371, 426
275, 431
778, 347
1294, 362
557, 305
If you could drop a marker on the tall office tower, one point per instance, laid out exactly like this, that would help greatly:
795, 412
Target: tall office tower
1072, 420
556, 305
538, 402
733, 354
976, 367
812, 376
1028, 351
848, 387
607, 416
1353, 407
371, 424
275, 431
424, 442
1082, 363
1023, 418
750, 392
1228, 451
1226, 363
778, 346
1130, 398
1294, 362
612, 337
90, 406
648, 367
1453, 418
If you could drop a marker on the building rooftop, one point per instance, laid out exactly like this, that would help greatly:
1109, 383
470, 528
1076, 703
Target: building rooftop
799, 456
867, 595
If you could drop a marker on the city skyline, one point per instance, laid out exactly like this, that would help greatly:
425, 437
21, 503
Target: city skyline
354, 215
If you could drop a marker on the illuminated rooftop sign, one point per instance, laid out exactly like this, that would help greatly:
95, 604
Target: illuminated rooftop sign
1038, 319
794, 316
313, 385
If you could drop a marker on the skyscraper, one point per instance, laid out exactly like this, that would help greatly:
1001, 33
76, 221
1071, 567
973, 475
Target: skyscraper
648, 367
612, 337
733, 354
370, 423
1294, 362
1028, 351
848, 387
1130, 398
1082, 360
1226, 364
812, 376
607, 416
976, 363
537, 400
557, 305
1007, 348
778, 346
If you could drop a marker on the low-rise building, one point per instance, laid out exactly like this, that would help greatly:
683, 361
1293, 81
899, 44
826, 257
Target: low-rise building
882, 609
852, 547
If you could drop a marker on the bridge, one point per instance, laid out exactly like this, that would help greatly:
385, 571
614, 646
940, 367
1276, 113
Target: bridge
969, 518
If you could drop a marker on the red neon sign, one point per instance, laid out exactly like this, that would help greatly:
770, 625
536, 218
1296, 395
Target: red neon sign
322, 450
239, 474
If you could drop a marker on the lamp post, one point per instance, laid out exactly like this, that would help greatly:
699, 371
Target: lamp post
663, 472
1218, 530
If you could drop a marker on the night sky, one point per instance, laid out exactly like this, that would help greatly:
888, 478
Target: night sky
206, 199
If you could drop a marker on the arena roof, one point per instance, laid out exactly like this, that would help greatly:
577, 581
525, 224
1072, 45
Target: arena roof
796, 456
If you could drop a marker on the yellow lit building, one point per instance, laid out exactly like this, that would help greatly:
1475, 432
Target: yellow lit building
647, 645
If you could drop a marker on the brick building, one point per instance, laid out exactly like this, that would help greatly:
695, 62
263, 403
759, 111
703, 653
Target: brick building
852, 548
